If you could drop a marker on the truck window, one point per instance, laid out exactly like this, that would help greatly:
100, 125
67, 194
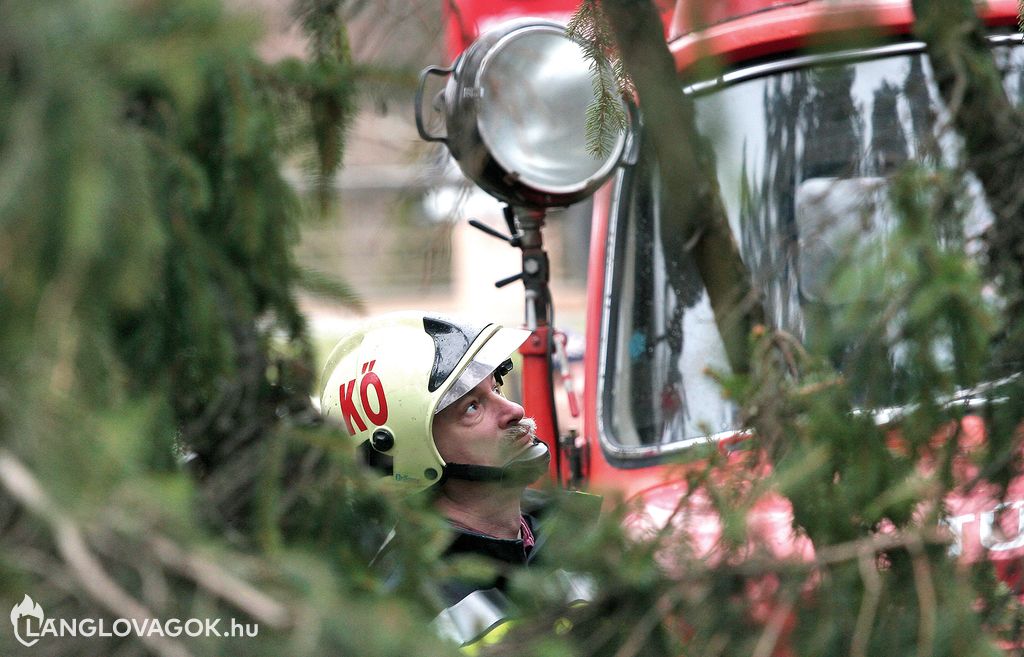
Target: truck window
804, 152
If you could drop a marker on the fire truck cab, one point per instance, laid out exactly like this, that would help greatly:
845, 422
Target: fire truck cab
812, 105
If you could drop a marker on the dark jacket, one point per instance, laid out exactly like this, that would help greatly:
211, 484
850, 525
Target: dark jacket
506, 553
474, 607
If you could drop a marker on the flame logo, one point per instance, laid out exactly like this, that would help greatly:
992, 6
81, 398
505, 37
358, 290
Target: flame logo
26, 607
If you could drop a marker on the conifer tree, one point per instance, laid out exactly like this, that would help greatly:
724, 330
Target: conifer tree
159, 457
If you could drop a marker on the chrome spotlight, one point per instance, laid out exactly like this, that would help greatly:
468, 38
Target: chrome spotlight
515, 109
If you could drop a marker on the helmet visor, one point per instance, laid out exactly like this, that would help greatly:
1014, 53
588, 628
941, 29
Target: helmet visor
493, 353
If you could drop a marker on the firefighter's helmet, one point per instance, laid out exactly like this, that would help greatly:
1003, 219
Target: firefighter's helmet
385, 381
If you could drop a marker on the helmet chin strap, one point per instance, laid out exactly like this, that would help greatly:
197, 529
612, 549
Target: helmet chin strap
523, 469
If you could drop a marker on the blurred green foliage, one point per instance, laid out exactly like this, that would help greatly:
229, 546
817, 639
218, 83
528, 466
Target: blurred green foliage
159, 455
158, 452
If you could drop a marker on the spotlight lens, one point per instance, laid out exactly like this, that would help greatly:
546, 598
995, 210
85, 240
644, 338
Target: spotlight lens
534, 89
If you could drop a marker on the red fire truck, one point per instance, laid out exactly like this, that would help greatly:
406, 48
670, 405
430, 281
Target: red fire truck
801, 159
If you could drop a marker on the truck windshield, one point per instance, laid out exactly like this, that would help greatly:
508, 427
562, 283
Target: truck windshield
803, 153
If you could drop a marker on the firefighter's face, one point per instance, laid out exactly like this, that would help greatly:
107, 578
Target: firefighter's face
482, 428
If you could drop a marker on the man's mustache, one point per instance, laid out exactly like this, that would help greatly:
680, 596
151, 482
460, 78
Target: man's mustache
524, 427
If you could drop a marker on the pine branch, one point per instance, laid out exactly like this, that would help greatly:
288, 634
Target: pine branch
221, 583
327, 85
82, 564
606, 117
326, 286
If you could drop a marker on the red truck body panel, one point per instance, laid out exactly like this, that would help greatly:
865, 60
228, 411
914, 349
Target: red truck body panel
761, 28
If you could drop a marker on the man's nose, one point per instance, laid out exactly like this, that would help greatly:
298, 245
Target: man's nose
511, 412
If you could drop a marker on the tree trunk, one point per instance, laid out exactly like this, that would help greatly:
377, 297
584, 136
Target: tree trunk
993, 133
693, 215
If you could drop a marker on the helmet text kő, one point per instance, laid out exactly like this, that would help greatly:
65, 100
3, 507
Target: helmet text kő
368, 380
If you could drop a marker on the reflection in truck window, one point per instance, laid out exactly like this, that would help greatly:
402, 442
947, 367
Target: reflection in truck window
803, 158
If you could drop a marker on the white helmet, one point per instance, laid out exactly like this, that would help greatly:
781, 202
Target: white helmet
385, 381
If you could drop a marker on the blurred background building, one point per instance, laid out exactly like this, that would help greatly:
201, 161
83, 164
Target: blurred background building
398, 231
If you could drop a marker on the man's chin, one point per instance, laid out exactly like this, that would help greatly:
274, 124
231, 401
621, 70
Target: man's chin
529, 464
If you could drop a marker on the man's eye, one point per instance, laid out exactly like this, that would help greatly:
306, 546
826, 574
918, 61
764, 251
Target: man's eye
472, 407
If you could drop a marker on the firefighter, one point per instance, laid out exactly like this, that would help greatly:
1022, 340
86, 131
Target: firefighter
421, 394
